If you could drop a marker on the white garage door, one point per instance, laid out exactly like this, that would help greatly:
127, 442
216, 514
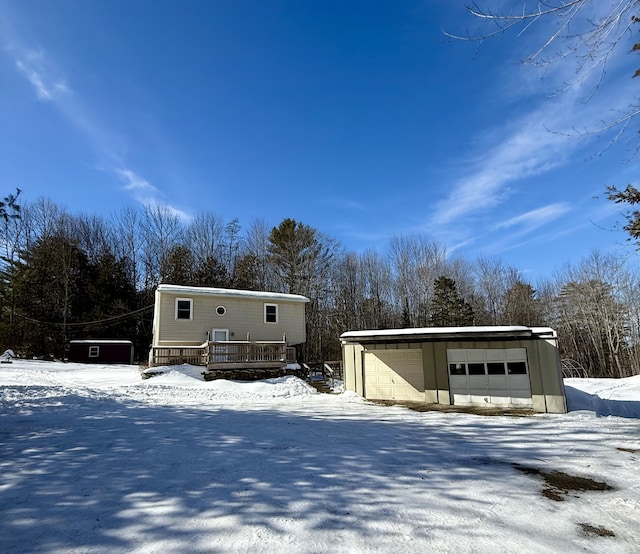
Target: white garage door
394, 375
497, 376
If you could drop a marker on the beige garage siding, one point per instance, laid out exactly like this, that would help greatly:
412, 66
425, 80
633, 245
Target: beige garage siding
394, 375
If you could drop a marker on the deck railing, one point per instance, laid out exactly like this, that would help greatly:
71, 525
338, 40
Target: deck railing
222, 353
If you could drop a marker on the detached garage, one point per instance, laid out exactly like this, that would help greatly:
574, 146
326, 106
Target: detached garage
466, 366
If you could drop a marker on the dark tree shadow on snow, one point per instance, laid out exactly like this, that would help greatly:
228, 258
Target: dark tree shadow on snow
82, 473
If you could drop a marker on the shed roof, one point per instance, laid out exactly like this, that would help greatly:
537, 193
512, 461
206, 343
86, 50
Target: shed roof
233, 293
100, 341
447, 333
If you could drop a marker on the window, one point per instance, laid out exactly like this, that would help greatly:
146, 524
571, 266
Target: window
94, 351
271, 313
495, 368
183, 308
517, 368
221, 310
457, 369
476, 368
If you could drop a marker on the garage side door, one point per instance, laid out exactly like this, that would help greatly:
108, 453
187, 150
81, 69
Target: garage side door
394, 375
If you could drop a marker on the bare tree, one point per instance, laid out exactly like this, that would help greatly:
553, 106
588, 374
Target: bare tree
204, 238
377, 284
43, 217
128, 243
94, 235
493, 280
416, 262
257, 247
232, 246
162, 231
583, 32
592, 318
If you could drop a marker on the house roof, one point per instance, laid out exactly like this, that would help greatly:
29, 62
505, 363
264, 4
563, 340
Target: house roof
445, 333
233, 293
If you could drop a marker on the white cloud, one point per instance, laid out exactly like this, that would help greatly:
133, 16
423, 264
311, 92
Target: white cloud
34, 68
51, 87
145, 193
544, 135
536, 218
526, 149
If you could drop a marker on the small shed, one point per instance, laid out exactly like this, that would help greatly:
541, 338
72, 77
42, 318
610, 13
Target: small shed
101, 351
494, 366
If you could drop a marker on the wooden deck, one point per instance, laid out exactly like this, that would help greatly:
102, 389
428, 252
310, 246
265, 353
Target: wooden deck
225, 355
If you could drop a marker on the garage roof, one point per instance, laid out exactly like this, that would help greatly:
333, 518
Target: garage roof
447, 333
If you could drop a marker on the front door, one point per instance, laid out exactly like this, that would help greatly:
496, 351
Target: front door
219, 335
219, 352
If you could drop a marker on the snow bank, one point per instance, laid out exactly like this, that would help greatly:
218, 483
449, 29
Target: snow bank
186, 376
604, 397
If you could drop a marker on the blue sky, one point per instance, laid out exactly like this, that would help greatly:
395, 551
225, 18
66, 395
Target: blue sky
361, 119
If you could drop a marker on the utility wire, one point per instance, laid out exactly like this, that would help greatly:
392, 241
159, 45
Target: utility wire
86, 323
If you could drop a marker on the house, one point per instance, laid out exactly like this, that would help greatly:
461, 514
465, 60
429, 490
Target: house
226, 329
101, 351
468, 366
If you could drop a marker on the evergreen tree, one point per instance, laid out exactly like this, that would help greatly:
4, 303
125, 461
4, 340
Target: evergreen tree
247, 274
448, 308
298, 256
210, 273
108, 294
46, 290
521, 305
631, 197
9, 209
179, 266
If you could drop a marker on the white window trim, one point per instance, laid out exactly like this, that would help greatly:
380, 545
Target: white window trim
190, 300
277, 314
94, 352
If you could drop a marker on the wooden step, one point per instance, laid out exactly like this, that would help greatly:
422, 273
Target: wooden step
321, 385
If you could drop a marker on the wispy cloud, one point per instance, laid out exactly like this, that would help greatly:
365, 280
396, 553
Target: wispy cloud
525, 149
535, 142
51, 87
144, 192
536, 218
46, 88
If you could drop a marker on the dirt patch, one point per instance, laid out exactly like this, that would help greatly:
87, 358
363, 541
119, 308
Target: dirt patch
558, 484
477, 410
630, 450
595, 531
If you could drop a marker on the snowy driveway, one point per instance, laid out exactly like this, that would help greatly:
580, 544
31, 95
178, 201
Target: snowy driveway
96, 460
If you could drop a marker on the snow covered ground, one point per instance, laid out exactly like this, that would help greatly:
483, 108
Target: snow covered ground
95, 459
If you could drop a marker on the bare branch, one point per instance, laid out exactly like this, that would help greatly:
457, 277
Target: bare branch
581, 34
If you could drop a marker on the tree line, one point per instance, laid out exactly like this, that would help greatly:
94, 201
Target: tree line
67, 276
